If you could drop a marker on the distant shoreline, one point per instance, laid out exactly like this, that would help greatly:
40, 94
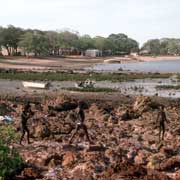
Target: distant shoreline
72, 62
130, 59
157, 58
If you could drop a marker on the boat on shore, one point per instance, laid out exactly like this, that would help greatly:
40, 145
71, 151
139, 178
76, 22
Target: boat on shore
85, 84
37, 85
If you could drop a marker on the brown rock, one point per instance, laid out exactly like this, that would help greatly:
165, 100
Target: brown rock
69, 159
177, 176
96, 148
31, 173
155, 175
53, 160
172, 164
42, 130
82, 171
141, 158
167, 151
143, 104
155, 160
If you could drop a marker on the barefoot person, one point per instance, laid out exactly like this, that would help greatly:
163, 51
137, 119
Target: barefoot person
161, 119
26, 114
81, 124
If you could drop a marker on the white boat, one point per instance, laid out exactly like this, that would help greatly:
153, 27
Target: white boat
35, 85
85, 84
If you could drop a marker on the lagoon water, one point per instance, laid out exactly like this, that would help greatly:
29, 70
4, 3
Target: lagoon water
167, 66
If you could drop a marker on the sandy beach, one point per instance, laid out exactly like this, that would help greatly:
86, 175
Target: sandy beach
72, 62
157, 58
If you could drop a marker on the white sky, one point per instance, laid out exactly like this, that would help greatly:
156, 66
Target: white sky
139, 19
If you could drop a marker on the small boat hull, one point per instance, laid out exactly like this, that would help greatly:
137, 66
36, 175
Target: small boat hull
35, 85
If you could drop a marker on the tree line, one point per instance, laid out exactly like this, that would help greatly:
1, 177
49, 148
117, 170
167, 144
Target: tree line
164, 46
52, 42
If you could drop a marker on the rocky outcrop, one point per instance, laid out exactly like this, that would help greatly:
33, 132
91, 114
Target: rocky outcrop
121, 150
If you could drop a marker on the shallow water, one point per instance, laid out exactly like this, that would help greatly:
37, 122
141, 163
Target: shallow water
146, 87
139, 87
167, 66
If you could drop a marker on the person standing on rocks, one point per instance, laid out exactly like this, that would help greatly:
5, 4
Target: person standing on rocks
81, 124
161, 119
26, 114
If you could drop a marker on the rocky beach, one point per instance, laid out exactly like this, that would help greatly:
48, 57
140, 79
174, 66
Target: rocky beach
122, 148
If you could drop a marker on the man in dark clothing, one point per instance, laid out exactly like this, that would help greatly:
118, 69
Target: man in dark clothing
26, 114
81, 124
161, 118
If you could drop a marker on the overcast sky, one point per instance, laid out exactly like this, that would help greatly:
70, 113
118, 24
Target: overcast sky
139, 19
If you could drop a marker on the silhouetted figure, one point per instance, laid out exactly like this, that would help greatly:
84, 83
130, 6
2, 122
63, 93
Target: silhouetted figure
161, 118
81, 124
26, 114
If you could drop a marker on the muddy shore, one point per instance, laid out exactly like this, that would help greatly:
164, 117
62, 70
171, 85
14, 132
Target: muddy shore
70, 63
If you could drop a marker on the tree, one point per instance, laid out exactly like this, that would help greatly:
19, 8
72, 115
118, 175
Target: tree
84, 42
164, 46
34, 42
51, 42
174, 47
122, 44
68, 39
9, 38
100, 43
54, 42
152, 46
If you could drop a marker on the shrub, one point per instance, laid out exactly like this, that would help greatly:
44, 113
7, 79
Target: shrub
10, 160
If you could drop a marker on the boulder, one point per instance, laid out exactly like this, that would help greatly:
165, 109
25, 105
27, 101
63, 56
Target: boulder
177, 176
143, 104
69, 159
155, 160
156, 175
42, 131
31, 173
96, 148
171, 164
82, 171
141, 158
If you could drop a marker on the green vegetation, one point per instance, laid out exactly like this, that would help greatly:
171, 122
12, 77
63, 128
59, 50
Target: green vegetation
91, 89
10, 161
165, 46
51, 76
52, 43
177, 87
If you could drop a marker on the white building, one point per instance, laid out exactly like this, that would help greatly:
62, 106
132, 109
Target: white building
93, 53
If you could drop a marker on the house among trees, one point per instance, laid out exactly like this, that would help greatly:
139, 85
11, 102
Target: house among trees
144, 52
17, 41
93, 53
69, 51
134, 54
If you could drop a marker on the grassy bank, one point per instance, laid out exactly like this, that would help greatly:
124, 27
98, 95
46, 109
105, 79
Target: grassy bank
91, 89
177, 87
59, 76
